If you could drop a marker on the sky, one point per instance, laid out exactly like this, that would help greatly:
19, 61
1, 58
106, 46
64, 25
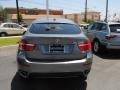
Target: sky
68, 6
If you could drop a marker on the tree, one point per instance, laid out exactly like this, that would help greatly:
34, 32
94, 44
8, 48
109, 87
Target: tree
3, 15
88, 21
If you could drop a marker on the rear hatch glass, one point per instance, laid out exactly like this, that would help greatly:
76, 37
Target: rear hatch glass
54, 28
115, 28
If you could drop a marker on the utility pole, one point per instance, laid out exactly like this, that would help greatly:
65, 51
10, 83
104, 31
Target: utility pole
47, 9
18, 16
106, 17
85, 16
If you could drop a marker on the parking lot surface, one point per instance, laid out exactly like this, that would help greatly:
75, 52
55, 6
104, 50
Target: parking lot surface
105, 75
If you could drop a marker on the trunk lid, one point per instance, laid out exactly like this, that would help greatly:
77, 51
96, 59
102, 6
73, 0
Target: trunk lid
55, 47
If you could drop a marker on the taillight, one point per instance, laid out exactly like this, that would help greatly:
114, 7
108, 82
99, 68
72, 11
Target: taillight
85, 46
23, 45
109, 37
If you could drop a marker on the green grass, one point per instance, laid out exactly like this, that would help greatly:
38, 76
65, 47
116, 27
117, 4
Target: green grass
9, 41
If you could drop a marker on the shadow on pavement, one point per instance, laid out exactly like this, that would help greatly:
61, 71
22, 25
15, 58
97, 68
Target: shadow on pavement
19, 83
110, 55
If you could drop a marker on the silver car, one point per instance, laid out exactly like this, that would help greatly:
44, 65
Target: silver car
54, 48
11, 29
104, 36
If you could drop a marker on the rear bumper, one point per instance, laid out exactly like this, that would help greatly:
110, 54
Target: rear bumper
109, 46
76, 66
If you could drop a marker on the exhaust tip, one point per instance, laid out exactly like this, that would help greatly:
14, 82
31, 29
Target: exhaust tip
86, 72
24, 74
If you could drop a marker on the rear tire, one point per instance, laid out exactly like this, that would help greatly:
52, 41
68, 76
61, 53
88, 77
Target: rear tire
96, 47
3, 34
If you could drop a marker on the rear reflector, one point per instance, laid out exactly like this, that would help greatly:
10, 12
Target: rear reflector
85, 46
23, 45
109, 37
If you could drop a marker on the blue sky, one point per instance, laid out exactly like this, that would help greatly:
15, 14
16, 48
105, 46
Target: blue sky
69, 6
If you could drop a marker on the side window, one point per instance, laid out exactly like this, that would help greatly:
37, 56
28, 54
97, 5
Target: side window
99, 26
5, 25
15, 26
8, 25
103, 27
11, 25
95, 26
90, 26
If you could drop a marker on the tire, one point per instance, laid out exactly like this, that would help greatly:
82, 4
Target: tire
3, 34
96, 47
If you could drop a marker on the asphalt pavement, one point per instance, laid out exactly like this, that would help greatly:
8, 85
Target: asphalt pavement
105, 75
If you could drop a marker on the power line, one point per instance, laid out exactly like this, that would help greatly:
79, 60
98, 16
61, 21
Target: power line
52, 5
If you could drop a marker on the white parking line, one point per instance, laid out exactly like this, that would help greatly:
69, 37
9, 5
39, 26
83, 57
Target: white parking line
9, 46
10, 37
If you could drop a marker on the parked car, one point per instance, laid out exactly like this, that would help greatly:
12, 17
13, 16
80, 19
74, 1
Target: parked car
84, 26
104, 36
24, 25
57, 48
11, 29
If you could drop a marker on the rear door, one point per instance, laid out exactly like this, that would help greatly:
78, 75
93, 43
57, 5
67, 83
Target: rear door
101, 33
90, 33
17, 29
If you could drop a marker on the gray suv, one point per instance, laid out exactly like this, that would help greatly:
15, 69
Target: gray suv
104, 36
54, 48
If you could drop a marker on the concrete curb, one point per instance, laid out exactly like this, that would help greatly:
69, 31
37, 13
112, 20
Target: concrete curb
10, 37
8, 46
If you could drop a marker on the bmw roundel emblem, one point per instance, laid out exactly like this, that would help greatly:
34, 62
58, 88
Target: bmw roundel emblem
57, 40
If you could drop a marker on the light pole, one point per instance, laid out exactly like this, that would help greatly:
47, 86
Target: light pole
47, 9
106, 17
85, 16
18, 16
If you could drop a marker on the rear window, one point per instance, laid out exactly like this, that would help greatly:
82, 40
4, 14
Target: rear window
115, 28
57, 28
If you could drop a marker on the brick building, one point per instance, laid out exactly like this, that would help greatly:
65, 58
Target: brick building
79, 17
31, 14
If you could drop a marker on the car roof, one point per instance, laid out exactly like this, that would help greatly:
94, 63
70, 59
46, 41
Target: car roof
109, 23
84, 24
54, 20
8, 23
